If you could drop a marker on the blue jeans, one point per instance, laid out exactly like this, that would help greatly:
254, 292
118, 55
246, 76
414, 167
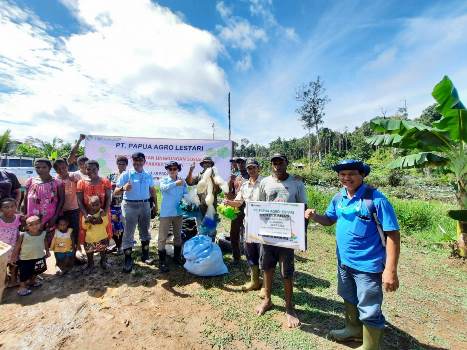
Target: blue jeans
363, 289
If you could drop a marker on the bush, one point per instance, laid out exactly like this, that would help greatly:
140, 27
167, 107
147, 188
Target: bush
427, 221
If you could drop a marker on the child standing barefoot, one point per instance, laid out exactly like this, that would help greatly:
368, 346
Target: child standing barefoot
96, 239
32, 249
9, 233
62, 246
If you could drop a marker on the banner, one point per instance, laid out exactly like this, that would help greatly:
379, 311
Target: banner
276, 223
158, 152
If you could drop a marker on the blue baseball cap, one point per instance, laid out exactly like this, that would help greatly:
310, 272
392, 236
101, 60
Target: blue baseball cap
352, 164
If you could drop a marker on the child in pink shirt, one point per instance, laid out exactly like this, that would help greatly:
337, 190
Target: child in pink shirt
10, 223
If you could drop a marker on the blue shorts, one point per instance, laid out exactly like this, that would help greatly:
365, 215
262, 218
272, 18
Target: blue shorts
63, 256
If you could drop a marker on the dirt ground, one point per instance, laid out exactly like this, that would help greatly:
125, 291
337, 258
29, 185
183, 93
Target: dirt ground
147, 310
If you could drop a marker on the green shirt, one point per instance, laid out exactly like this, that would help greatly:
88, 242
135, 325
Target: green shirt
32, 247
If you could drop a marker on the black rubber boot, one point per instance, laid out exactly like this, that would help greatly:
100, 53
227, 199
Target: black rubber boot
177, 259
145, 252
128, 264
162, 261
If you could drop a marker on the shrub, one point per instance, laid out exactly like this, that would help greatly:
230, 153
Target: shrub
426, 221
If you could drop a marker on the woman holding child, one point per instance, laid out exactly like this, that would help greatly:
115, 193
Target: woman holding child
89, 190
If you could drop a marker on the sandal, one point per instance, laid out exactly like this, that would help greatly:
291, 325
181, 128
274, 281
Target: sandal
23, 292
36, 284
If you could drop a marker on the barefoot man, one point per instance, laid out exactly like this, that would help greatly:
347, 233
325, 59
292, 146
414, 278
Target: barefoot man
280, 187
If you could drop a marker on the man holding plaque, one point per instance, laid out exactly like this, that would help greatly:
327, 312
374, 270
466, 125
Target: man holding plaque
249, 191
280, 187
368, 247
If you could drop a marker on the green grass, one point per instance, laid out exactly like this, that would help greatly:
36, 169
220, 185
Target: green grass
427, 281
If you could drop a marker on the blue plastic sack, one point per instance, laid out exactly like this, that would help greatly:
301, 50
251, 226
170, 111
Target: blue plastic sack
194, 246
203, 257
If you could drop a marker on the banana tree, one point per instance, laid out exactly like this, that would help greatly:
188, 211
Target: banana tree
442, 144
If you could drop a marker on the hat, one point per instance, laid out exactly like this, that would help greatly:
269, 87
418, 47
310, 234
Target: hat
279, 156
206, 160
173, 163
251, 161
352, 164
241, 159
138, 155
233, 159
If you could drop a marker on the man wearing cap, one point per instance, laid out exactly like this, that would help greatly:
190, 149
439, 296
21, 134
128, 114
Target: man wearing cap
191, 180
249, 191
138, 196
233, 166
368, 247
236, 225
280, 187
173, 189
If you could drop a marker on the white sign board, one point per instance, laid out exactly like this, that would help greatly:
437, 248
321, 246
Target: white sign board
158, 152
276, 223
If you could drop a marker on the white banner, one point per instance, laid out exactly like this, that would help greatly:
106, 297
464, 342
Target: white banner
276, 223
158, 152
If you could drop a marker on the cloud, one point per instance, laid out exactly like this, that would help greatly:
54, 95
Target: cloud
244, 64
135, 69
361, 78
383, 59
263, 9
238, 32
406, 70
224, 10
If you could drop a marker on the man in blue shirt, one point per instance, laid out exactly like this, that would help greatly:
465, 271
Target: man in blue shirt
173, 189
139, 195
368, 247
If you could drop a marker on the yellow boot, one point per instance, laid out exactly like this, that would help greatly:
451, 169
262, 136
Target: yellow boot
254, 283
353, 327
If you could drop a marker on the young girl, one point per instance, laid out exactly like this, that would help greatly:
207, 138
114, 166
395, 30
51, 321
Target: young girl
32, 250
96, 240
62, 246
9, 233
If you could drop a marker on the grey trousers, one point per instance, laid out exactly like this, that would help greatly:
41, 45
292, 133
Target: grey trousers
164, 225
135, 214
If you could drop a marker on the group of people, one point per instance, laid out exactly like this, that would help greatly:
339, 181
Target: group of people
79, 210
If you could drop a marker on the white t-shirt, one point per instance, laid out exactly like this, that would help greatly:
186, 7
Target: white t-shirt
249, 191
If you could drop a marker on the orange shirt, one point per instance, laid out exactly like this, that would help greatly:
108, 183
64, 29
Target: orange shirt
88, 189
71, 203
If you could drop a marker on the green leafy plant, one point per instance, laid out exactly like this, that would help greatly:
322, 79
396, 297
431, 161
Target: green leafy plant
5, 139
441, 145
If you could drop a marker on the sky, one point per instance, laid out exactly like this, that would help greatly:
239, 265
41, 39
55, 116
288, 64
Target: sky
164, 68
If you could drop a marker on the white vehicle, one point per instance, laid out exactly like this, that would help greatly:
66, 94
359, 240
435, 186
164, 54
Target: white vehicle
22, 167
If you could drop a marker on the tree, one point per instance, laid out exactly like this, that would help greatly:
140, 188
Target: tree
402, 112
5, 140
28, 150
441, 145
34, 147
311, 112
429, 115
